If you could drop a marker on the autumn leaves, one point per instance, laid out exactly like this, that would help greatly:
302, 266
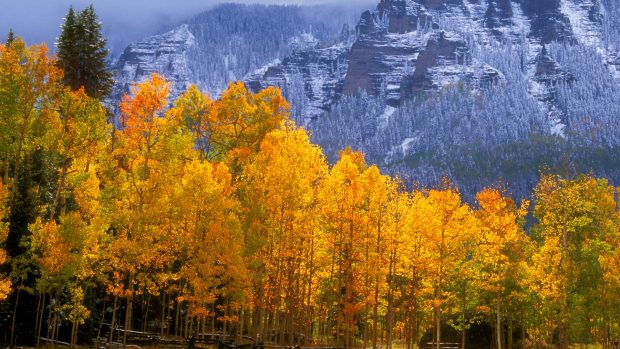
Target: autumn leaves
222, 215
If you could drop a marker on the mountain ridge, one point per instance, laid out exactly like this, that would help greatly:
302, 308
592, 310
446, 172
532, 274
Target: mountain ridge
492, 72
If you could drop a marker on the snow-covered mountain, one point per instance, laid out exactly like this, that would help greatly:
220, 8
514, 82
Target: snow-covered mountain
226, 43
484, 91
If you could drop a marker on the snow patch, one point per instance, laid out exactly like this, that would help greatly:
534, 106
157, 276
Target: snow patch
385, 117
583, 28
408, 143
557, 127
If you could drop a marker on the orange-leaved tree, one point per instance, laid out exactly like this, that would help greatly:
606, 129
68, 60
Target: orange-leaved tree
153, 146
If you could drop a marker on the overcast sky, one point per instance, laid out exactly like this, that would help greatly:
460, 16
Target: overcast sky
124, 21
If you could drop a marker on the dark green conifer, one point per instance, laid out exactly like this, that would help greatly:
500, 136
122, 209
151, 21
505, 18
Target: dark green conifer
82, 53
10, 38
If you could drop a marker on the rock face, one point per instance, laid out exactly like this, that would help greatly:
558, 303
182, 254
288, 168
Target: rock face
227, 43
161, 53
548, 71
311, 79
548, 23
406, 47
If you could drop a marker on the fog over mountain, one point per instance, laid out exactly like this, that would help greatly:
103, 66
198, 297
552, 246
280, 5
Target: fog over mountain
38, 21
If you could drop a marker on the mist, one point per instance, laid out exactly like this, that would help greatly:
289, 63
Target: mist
124, 21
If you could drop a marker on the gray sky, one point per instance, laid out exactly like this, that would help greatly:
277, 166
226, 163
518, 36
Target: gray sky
124, 21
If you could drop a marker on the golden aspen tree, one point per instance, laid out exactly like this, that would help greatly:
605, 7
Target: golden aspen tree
378, 257
29, 83
499, 254
195, 109
280, 190
413, 267
576, 220
209, 234
396, 209
68, 252
153, 146
77, 137
343, 212
448, 226
240, 119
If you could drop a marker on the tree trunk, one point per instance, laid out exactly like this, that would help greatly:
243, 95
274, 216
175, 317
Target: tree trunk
463, 316
73, 334
113, 321
102, 320
41, 318
390, 310
498, 325
37, 324
177, 315
19, 290
128, 317
145, 312
437, 327
163, 312
213, 317
49, 335
375, 314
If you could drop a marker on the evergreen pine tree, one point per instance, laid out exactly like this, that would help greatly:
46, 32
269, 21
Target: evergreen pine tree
68, 54
10, 38
97, 79
82, 53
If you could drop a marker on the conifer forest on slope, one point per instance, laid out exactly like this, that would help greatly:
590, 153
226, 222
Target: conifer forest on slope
219, 215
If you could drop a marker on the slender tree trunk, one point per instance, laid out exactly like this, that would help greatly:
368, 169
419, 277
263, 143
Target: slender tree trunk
44, 295
163, 312
498, 324
438, 327
375, 314
113, 321
145, 317
73, 334
390, 310
213, 317
102, 320
19, 290
177, 315
463, 316
128, 317
36, 323
48, 332
191, 321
